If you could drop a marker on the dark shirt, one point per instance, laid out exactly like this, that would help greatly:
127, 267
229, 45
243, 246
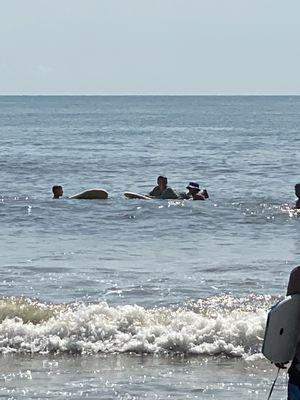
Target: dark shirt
294, 370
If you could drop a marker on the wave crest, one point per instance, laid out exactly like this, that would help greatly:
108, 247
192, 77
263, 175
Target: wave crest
216, 326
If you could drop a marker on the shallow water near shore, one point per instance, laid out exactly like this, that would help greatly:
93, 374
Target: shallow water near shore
134, 377
133, 299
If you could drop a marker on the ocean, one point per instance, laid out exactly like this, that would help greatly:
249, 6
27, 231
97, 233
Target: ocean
134, 299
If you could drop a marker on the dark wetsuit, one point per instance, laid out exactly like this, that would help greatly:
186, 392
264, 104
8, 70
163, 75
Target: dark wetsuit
294, 377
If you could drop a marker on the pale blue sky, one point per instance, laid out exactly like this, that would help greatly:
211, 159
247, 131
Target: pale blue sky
149, 47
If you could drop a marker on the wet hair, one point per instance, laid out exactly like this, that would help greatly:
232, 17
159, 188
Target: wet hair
57, 191
55, 188
297, 186
162, 177
294, 282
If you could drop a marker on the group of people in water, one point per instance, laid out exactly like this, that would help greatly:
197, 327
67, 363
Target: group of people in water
194, 192
163, 191
160, 191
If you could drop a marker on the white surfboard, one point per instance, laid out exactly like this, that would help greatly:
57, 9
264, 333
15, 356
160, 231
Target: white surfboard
282, 330
132, 195
91, 194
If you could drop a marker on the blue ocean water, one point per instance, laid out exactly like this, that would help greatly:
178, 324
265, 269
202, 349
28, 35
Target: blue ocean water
160, 298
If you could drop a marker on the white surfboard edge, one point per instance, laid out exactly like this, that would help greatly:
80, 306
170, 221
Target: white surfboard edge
132, 195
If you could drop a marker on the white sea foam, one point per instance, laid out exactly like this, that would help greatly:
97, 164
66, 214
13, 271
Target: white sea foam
215, 326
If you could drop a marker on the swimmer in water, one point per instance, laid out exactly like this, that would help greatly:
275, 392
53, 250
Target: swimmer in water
162, 190
195, 192
57, 191
297, 193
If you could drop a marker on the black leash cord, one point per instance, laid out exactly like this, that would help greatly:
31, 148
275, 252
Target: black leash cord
272, 387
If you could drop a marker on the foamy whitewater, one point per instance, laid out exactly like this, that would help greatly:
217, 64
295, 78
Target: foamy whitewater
218, 326
131, 299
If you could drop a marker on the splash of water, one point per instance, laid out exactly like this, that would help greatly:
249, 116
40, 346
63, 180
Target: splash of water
221, 325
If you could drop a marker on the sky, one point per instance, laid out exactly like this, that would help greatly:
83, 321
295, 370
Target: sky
171, 47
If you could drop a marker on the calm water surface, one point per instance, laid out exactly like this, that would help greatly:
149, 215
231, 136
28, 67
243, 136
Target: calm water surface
131, 299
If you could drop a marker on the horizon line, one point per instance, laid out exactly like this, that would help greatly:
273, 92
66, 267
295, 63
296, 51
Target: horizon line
148, 95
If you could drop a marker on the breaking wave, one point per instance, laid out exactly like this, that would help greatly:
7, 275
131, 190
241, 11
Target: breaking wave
222, 325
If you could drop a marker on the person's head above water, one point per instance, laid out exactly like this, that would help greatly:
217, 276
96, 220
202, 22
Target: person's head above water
57, 191
294, 282
193, 187
162, 182
297, 190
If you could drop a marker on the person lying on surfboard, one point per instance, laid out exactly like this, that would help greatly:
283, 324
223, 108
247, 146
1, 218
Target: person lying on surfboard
162, 190
195, 192
297, 193
294, 369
